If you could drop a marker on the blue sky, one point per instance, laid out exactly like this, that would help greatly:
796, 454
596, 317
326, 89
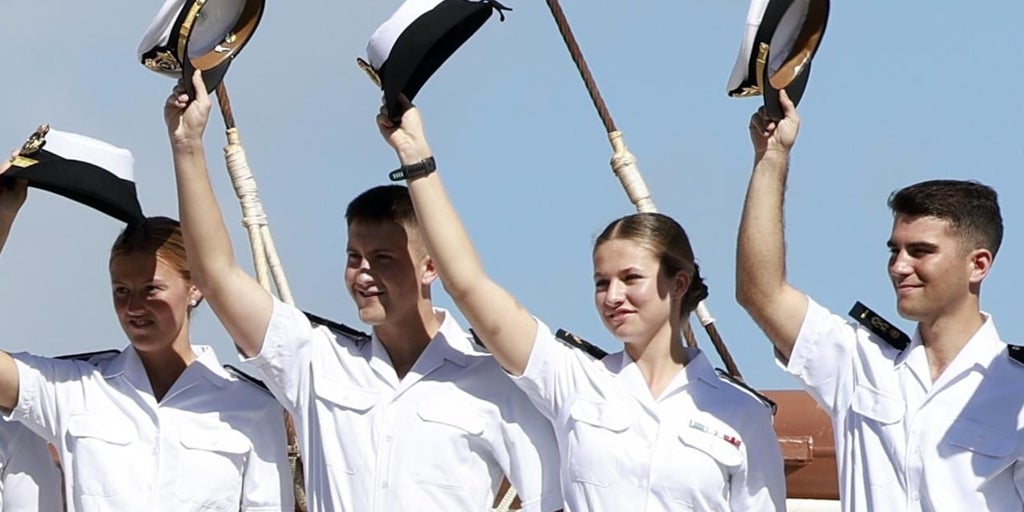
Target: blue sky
901, 92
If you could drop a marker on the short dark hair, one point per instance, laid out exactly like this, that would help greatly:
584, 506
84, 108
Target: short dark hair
971, 208
386, 203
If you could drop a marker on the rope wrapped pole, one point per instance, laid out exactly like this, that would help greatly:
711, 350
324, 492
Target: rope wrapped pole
624, 165
264, 253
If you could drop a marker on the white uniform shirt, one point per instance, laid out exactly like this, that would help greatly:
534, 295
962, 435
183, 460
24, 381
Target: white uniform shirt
904, 443
214, 443
437, 440
704, 444
29, 479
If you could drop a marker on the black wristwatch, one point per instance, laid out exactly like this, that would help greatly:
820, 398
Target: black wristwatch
408, 172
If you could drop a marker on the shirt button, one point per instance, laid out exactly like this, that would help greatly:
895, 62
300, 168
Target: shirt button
387, 439
384, 485
915, 496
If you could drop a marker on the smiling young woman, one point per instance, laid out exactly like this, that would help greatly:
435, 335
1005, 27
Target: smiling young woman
650, 428
161, 426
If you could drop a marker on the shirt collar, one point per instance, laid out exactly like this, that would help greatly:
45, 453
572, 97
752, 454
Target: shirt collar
450, 343
129, 364
697, 370
984, 346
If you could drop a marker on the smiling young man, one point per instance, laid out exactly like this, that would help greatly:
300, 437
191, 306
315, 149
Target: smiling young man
414, 417
928, 422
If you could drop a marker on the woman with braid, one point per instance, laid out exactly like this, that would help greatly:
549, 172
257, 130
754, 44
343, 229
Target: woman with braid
650, 428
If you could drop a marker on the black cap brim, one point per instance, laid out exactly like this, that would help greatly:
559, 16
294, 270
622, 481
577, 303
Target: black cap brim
424, 46
82, 182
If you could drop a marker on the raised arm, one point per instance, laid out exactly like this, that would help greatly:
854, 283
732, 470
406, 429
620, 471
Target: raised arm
12, 196
241, 304
505, 327
761, 286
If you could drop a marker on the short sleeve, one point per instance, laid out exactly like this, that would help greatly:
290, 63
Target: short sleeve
554, 374
284, 361
43, 386
823, 355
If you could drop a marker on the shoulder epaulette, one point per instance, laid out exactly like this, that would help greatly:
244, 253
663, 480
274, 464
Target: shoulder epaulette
245, 377
768, 402
880, 326
1016, 352
576, 342
91, 357
338, 328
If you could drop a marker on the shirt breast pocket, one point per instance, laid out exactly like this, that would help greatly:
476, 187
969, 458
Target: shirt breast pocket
458, 431
879, 417
103, 447
598, 441
988, 450
210, 467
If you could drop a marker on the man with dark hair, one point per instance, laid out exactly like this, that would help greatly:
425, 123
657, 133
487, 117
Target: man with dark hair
929, 422
414, 417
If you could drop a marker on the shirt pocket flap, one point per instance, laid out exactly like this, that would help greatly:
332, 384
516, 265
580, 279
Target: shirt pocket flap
459, 418
219, 440
981, 439
714, 444
871, 403
330, 390
111, 430
608, 417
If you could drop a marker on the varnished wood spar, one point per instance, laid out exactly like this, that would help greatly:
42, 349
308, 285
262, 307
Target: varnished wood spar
624, 165
267, 264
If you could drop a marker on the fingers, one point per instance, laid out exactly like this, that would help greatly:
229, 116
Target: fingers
6, 164
200, 87
788, 108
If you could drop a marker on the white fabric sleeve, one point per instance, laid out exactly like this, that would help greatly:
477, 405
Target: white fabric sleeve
284, 361
760, 484
823, 356
552, 373
530, 456
44, 384
267, 481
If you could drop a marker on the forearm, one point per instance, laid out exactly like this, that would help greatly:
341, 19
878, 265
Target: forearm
206, 237
240, 303
760, 258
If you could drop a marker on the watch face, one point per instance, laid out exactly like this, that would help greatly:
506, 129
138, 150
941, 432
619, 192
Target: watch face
213, 26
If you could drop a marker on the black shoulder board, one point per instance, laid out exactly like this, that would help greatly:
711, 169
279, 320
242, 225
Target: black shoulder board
99, 355
576, 342
1016, 353
246, 377
880, 326
339, 328
768, 402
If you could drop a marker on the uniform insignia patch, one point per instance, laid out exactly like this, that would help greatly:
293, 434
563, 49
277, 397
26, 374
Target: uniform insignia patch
576, 342
1016, 352
338, 328
880, 326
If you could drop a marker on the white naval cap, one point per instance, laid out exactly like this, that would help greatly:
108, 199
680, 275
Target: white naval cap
419, 37
83, 169
779, 40
199, 34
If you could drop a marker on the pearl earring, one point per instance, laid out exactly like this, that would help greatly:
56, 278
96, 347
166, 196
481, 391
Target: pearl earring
193, 303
